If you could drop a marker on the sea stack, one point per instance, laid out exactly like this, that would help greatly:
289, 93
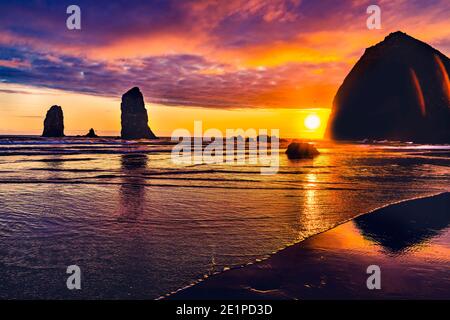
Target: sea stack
301, 150
54, 122
398, 90
91, 134
134, 116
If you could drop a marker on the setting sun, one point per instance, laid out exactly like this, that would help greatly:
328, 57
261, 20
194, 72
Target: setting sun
312, 122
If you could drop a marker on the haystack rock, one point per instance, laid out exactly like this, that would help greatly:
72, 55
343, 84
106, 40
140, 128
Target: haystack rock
301, 150
91, 134
398, 90
54, 123
134, 116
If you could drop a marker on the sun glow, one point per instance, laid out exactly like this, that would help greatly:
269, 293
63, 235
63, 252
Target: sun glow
312, 122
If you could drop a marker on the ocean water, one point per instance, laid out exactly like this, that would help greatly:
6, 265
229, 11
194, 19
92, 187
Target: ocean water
140, 226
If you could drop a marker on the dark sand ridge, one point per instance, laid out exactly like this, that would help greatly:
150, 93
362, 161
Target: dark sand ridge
409, 241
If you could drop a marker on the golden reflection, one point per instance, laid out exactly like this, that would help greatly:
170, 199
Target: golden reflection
311, 178
344, 237
349, 237
310, 218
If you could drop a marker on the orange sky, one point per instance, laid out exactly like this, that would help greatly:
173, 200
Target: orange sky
239, 64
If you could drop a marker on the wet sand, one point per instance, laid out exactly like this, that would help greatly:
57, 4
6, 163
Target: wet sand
409, 241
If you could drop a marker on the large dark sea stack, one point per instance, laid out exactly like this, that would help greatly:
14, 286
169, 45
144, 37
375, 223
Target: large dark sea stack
54, 123
134, 116
398, 90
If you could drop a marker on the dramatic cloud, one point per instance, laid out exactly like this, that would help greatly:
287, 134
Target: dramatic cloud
221, 54
173, 79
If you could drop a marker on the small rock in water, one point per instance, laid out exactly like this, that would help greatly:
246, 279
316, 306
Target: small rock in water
54, 122
91, 134
301, 150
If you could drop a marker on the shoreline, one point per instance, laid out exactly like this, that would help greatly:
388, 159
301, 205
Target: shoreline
261, 279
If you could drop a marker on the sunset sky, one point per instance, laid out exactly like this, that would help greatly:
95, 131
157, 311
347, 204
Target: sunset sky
233, 64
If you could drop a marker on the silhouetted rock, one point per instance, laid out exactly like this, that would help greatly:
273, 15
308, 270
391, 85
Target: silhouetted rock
134, 116
398, 90
91, 134
301, 150
54, 123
